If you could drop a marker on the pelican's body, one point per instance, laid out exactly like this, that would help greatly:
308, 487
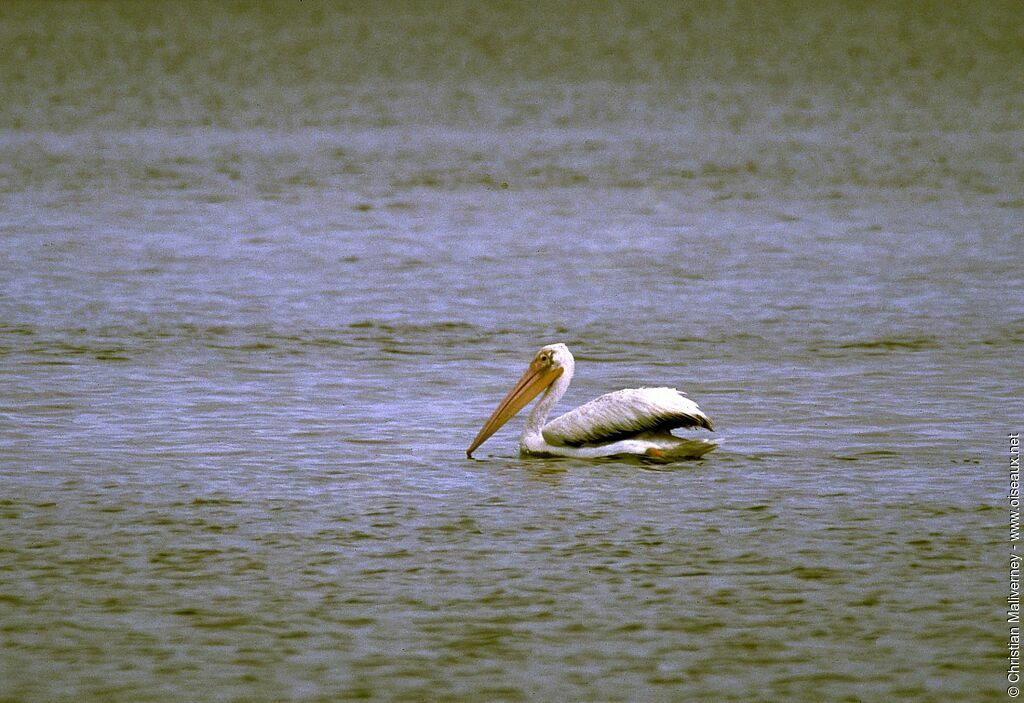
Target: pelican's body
633, 421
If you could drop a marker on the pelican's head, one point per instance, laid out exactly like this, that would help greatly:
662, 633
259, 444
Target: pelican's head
559, 354
549, 363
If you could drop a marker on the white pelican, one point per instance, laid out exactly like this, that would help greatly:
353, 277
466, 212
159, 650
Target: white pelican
635, 421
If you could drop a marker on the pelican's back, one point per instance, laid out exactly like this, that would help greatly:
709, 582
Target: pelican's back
623, 414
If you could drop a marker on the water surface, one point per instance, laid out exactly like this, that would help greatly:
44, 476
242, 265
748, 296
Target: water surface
265, 273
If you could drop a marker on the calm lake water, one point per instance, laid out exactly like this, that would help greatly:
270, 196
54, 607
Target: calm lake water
264, 273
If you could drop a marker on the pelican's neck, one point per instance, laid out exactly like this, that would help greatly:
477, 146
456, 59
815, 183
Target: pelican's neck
539, 415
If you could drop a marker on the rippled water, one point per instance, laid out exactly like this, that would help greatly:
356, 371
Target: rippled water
265, 273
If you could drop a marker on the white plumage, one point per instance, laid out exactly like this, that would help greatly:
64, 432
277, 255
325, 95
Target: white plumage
634, 421
623, 414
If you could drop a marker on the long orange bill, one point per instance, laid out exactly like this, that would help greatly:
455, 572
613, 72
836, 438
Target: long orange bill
536, 379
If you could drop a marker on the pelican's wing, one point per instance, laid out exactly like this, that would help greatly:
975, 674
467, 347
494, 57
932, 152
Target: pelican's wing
625, 413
